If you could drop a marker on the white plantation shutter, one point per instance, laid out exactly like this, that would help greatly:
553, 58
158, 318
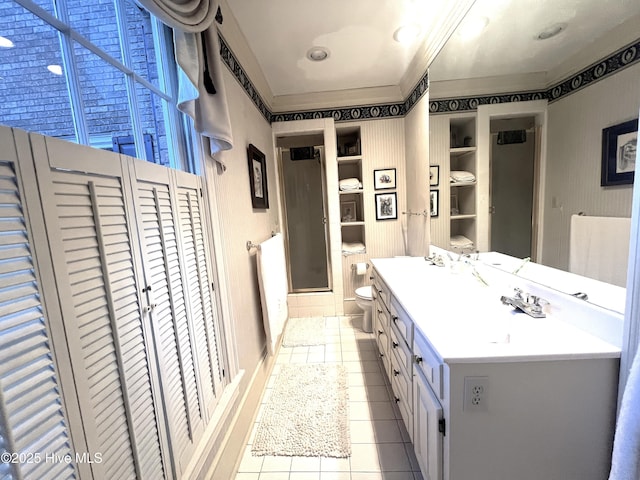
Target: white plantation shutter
164, 277
31, 414
193, 234
108, 324
88, 221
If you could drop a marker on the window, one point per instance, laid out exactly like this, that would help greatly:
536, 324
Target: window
87, 71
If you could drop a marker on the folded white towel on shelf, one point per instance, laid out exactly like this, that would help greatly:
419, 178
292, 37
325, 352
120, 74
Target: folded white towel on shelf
460, 241
350, 184
461, 176
352, 248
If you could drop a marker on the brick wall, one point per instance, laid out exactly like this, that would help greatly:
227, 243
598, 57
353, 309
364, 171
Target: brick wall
34, 99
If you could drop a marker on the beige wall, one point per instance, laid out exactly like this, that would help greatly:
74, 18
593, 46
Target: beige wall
417, 161
239, 222
574, 157
382, 147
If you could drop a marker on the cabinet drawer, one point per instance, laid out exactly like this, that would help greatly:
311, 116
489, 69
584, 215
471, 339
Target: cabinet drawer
401, 320
383, 346
429, 363
402, 380
380, 324
380, 311
403, 406
381, 290
400, 349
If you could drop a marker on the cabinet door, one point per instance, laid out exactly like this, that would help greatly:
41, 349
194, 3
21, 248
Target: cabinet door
427, 438
91, 229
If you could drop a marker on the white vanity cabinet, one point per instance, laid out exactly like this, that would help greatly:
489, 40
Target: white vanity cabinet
428, 428
380, 294
539, 406
394, 331
428, 416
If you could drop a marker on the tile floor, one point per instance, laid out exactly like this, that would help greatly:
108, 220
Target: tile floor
380, 446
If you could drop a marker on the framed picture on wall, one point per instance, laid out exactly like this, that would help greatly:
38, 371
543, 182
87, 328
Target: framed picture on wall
348, 212
384, 179
434, 175
386, 206
619, 144
257, 178
434, 203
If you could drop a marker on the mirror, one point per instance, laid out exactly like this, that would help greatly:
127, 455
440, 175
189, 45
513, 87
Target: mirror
538, 49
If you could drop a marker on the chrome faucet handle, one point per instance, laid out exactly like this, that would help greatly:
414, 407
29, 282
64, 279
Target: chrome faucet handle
518, 292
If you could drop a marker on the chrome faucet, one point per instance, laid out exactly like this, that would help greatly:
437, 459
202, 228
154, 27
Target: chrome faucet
529, 304
436, 260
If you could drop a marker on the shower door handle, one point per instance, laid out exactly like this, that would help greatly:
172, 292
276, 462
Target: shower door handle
324, 220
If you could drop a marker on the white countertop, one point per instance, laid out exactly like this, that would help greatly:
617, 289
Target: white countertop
465, 321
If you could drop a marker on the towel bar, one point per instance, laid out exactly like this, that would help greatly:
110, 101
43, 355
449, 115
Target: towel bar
424, 213
251, 245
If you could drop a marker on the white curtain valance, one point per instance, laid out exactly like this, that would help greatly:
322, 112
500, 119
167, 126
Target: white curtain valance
192, 16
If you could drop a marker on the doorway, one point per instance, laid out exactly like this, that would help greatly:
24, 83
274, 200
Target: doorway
512, 185
304, 204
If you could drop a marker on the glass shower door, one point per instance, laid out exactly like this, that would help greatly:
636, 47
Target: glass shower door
304, 201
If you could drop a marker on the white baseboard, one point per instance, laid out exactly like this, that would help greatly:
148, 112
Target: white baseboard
224, 462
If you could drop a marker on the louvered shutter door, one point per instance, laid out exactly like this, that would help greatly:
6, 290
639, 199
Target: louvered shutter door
31, 414
88, 223
164, 272
193, 236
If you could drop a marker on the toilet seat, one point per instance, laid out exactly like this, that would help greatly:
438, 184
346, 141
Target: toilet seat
364, 293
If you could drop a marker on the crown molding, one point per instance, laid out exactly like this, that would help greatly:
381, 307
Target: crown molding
487, 85
624, 34
240, 53
336, 99
605, 67
445, 96
442, 27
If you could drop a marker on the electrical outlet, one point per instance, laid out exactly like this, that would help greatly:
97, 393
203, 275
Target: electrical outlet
476, 394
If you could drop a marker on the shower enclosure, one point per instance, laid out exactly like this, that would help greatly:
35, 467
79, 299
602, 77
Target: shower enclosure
305, 213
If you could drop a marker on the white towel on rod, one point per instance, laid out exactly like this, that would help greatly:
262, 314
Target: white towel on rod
274, 288
599, 248
625, 462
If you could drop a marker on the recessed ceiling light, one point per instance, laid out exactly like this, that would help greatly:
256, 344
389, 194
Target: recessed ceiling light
317, 54
406, 34
551, 31
472, 27
55, 69
6, 43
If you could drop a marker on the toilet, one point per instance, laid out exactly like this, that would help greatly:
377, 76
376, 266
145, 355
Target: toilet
365, 302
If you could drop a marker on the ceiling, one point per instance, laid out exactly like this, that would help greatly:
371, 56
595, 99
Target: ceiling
363, 53
509, 45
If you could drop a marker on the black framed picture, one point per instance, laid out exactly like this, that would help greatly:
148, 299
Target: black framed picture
434, 175
384, 179
257, 178
619, 144
386, 206
434, 200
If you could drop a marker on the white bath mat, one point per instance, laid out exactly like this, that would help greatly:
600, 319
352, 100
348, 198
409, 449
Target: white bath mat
306, 414
302, 332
